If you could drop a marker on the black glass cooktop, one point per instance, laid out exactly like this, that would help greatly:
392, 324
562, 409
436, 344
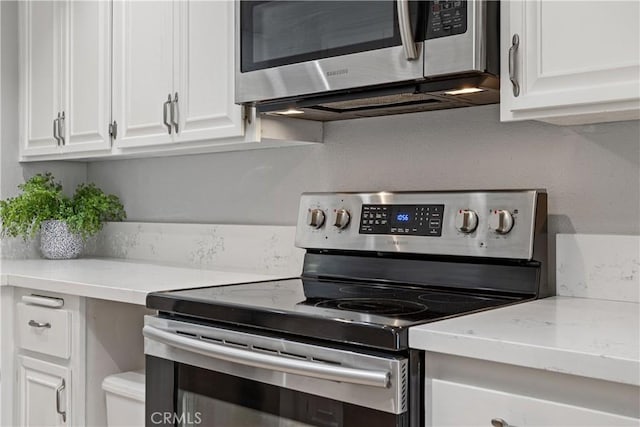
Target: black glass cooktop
368, 314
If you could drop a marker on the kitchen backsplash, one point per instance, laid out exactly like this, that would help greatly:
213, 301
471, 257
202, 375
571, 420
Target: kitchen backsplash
598, 266
259, 249
16, 248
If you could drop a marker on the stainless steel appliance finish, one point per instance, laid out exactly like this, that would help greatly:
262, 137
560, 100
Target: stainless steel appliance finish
371, 381
451, 61
486, 239
331, 347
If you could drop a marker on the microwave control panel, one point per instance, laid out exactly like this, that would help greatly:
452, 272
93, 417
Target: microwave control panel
446, 18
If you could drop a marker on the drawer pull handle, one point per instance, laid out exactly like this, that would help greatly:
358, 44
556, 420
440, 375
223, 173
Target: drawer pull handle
35, 324
515, 43
58, 399
165, 113
499, 422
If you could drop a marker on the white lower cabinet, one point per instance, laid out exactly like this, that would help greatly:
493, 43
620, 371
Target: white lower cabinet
43, 393
464, 391
56, 351
454, 404
44, 344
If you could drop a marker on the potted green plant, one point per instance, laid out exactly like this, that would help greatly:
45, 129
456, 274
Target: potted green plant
64, 222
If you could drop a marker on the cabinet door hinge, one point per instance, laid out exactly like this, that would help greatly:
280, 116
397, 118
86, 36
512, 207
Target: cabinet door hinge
113, 129
247, 112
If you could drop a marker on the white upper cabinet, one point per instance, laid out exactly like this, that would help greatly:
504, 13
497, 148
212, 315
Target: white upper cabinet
204, 71
42, 67
66, 78
173, 72
573, 62
142, 72
88, 111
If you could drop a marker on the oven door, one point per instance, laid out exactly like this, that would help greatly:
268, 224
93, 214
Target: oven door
292, 48
200, 375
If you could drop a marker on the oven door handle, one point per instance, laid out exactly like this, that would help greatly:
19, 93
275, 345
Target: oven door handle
306, 368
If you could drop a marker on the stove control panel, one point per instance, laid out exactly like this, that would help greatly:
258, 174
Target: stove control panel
415, 220
492, 224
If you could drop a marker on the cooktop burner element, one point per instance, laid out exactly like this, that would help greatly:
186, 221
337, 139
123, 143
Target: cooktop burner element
374, 306
378, 263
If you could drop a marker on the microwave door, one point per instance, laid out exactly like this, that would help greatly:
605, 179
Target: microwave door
292, 48
458, 36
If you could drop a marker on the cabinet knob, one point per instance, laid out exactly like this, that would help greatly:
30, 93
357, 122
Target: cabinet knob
499, 422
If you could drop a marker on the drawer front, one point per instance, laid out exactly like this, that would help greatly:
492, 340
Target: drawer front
454, 404
45, 330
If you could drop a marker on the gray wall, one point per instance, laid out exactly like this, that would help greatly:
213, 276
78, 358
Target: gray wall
592, 172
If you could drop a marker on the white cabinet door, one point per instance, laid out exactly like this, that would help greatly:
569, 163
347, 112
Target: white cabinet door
204, 71
576, 62
43, 393
41, 70
88, 107
454, 404
142, 71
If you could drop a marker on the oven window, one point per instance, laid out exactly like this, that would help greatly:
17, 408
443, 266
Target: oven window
221, 413
275, 33
213, 399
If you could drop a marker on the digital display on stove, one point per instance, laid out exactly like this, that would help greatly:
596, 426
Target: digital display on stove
412, 220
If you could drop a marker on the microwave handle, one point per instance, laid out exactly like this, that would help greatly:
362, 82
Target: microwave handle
406, 34
267, 361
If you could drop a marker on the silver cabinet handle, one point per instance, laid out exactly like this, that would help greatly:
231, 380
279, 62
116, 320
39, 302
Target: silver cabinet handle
35, 324
175, 118
267, 361
55, 129
113, 129
499, 422
515, 42
165, 113
406, 34
61, 129
58, 400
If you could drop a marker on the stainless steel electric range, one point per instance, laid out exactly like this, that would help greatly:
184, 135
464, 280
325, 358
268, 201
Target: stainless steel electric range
330, 348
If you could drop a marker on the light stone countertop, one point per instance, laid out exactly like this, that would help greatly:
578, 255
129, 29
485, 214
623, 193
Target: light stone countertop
114, 279
578, 336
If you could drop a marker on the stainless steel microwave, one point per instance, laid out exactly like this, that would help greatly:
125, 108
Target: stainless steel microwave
329, 59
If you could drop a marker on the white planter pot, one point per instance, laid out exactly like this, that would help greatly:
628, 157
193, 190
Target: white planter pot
57, 242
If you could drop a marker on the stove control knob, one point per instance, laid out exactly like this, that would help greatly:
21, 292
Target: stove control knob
315, 218
466, 221
342, 219
501, 221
